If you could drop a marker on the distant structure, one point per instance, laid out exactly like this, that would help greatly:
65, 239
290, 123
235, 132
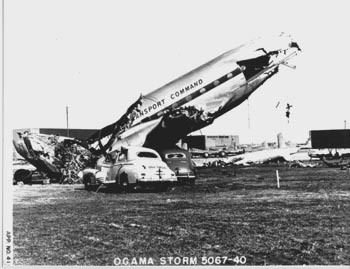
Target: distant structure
271, 144
330, 139
280, 141
206, 142
264, 144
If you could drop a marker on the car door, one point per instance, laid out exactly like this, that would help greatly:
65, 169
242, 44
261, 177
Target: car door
106, 168
119, 163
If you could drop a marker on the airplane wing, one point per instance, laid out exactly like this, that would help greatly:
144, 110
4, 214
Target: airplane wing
105, 131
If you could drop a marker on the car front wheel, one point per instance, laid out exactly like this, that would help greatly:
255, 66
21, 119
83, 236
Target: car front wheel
222, 154
124, 182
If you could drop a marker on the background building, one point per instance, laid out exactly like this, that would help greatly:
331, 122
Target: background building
280, 141
211, 141
330, 139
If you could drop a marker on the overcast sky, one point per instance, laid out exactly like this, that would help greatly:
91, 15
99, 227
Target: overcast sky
96, 57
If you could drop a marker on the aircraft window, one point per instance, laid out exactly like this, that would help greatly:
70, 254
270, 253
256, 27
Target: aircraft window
121, 157
216, 83
189, 98
145, 154
229, 75
202, 90
175, 155
174, 105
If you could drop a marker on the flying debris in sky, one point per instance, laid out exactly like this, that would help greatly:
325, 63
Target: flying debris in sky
288, 107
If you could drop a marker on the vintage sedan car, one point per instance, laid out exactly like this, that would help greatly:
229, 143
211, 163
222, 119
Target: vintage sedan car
179, 160
132, 166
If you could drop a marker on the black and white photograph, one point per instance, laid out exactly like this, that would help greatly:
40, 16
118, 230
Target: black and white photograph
175, 133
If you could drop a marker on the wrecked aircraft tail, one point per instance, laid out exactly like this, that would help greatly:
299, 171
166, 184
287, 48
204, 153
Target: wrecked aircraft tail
55, 158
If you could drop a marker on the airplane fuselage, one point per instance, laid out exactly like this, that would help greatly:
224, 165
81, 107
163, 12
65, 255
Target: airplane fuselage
213, 89
204, 87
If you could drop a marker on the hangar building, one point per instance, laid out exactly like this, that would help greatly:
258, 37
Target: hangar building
206, 142
330, 139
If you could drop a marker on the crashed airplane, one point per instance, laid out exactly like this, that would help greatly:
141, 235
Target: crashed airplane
158, 120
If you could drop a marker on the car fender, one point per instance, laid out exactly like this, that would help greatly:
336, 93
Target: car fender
97, 173
130, 171
90, 171
100, 175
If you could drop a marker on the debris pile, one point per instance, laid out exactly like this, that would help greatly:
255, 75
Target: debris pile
58, 158
71, 158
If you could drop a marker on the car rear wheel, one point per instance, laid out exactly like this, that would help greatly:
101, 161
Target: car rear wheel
88, 179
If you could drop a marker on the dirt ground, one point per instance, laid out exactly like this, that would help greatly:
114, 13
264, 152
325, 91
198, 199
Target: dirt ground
236, 214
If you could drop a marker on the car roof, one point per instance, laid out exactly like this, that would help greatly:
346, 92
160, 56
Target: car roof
132, 151
175, 150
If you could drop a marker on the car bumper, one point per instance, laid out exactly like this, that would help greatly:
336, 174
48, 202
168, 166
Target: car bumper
156, 180
185, 175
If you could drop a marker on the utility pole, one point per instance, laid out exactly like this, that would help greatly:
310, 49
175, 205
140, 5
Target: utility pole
67, 121
248, 114
345, 138
250, 132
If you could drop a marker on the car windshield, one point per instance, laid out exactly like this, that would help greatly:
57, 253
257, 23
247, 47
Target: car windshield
145, 154
175, 156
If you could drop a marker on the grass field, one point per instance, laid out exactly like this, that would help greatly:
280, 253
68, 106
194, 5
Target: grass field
228, 213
